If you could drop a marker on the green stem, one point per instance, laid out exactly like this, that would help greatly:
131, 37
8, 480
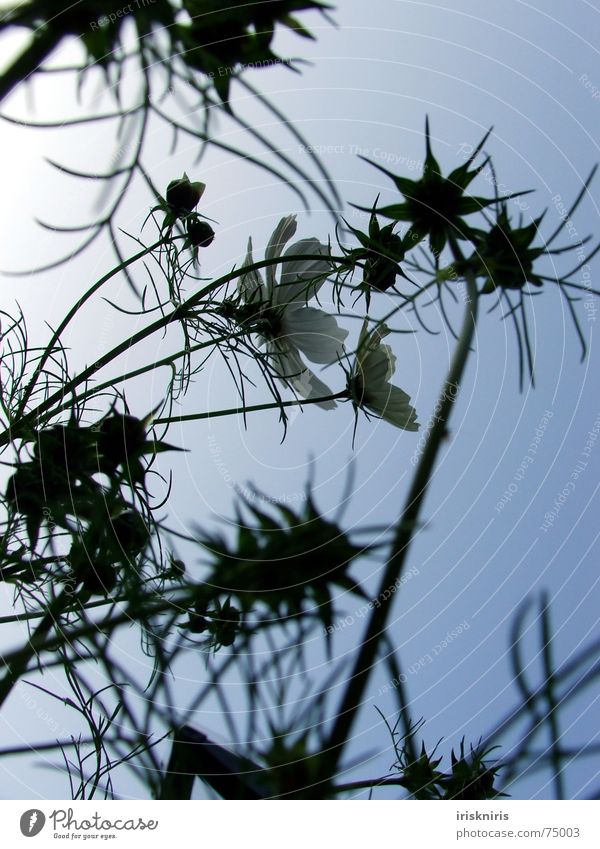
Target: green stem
165, 361
400, 691
19, 618
17, 662
405, 531
553, 705
73, 312
45, 747
370, 784
573, 677
38, 643
180, 312
271, 405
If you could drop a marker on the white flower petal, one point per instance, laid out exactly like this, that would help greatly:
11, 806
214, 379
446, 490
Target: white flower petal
318, 389
315, 333
391, 360
294, 327
393, 404
374, 366
305, 383
285, 359
296, 276
291, 369
250, 285
370, 341
279, 239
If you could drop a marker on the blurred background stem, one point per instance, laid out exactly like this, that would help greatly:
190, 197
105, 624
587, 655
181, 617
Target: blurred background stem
353, 696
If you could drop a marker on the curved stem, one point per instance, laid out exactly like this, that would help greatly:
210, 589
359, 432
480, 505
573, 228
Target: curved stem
27, 63
180, 312
405, 531
73, 312
156, 364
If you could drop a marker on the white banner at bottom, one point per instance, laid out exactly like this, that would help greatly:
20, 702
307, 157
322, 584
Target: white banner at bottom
296, 825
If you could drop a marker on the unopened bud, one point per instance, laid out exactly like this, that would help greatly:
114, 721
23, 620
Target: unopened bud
201, 233
183, 196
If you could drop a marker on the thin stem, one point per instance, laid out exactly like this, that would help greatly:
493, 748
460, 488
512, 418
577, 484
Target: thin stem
562, 674
400, 690
272, 405
16, 663
73, 312
370, 784
178, 313
34, 748
19, 618
38, 642
553, 706
165, 361
353, 696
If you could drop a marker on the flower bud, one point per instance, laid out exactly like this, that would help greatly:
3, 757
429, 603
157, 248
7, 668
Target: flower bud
97, 577
121, 437
131, 532
197, 624
381, 270
177, 569
183, 196
201, 234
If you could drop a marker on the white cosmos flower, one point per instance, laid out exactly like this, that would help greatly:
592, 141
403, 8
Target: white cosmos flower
370, 385
289, 327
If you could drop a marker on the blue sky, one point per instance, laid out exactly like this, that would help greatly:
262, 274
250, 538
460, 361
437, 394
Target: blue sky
531, 70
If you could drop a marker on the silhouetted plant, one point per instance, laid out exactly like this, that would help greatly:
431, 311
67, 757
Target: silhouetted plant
84, 540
